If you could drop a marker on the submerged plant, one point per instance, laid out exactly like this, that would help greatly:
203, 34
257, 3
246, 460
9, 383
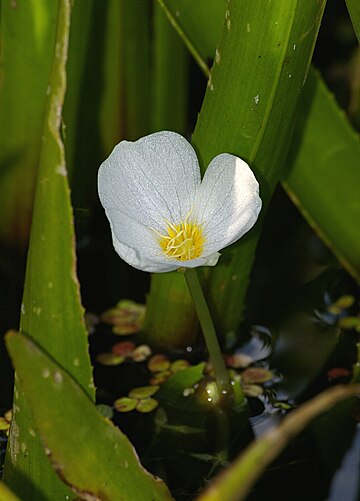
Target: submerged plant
135, 72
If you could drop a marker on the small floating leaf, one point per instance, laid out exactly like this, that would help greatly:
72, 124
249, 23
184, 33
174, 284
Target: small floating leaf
350, 323
285, 406
127, 317
342, 303
174, 387
105, 411
179, 365
160, 377
125, 404
256, 375
141, 353
109, 359
252, 390
124, 348
143, 391
147, 405
158, 363
238, 360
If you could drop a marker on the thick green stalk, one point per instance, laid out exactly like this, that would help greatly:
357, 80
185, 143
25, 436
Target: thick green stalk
170, 315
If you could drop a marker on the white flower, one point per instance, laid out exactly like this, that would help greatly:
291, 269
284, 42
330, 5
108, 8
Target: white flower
162, 216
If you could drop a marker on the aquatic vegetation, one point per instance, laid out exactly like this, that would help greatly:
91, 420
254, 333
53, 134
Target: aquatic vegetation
212, 104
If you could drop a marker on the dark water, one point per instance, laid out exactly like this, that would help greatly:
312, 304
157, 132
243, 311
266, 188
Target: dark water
187, 442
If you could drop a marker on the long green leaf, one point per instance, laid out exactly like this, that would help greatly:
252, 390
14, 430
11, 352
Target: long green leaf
137, 64
6, 494
169, 88
51, 310
324, 117
354, 11
112, 117
28, 29
272, 44
236, 482
203, 20
91, 108
88, 452
79, 41
323, 178
260, 66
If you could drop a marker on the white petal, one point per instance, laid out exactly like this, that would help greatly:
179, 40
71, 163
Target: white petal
150, 180
208, 260
227, 203
137, 245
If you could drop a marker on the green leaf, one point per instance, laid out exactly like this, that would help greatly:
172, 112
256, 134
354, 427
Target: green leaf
51, 309
95, 458
92, 103
6, 494
169, 81
260, 67
263, 43
354, 11
201, 19
112, 119
174, 387
325, 118
73, 116
323, 177
136, 25
28, 30
170, 316
237, 480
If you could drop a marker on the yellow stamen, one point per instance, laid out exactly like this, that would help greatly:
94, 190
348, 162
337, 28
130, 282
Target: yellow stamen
184, 241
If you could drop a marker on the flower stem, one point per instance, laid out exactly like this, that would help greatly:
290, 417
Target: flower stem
207, 326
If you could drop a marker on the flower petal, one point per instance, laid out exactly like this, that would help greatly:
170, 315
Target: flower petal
137, 245
227, 203
151, 180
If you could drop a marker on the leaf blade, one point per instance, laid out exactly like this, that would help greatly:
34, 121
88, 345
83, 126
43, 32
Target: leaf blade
51, 309
105, 465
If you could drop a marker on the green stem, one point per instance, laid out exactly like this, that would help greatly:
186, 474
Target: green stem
207, 326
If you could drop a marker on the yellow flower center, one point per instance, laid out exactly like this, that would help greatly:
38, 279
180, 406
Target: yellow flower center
184, 241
